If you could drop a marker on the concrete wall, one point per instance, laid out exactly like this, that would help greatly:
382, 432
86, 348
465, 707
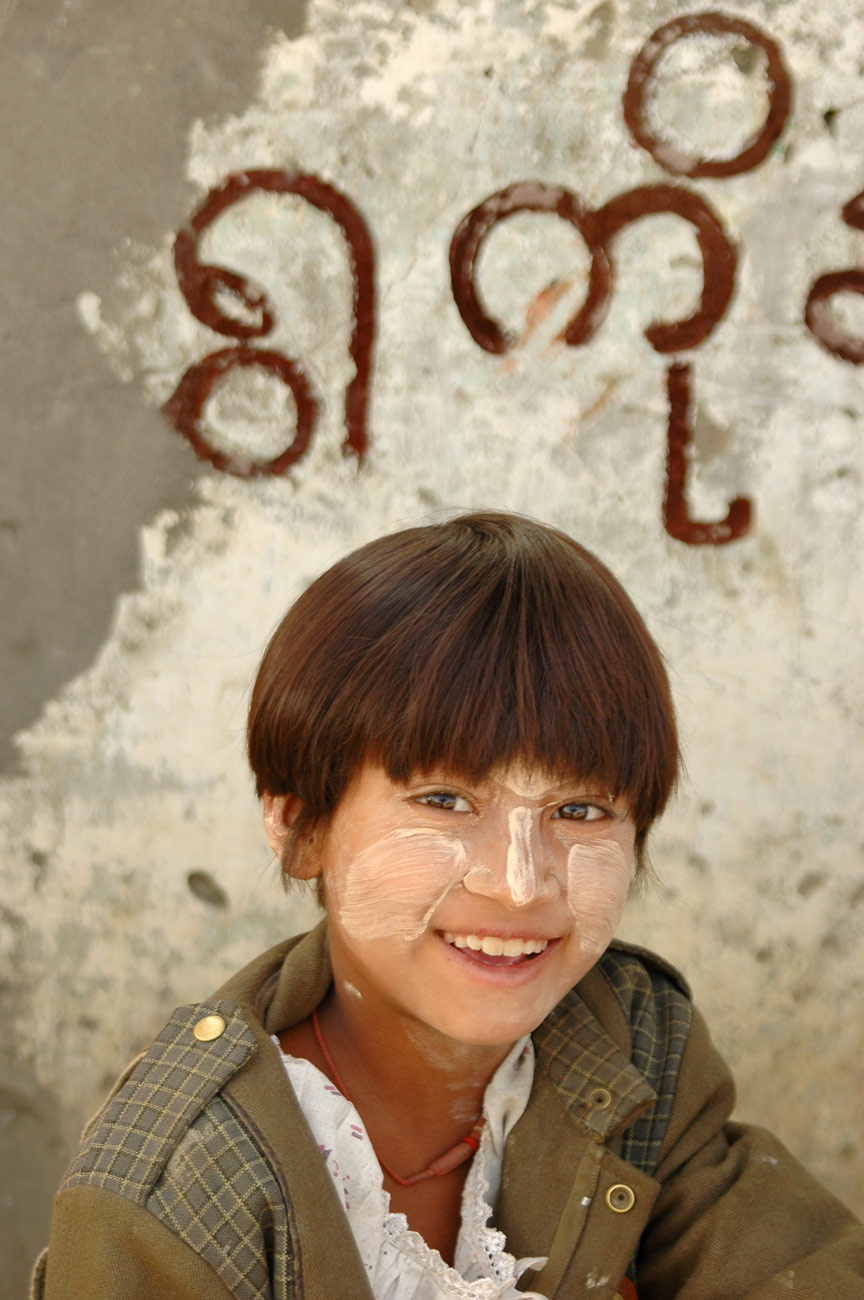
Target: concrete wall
714, 464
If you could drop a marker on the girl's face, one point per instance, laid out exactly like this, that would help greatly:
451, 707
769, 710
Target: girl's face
470, 907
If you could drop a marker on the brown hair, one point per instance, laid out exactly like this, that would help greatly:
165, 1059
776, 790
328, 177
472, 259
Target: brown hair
488, 639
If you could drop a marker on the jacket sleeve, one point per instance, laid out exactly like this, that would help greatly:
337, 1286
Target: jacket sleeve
104, 1247
738, 1218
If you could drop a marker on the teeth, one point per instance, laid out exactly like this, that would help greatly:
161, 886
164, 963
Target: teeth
495, 947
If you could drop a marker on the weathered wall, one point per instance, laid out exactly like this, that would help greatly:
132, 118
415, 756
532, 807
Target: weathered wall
135, 874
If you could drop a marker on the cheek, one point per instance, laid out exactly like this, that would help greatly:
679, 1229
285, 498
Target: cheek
395, 885
598, 881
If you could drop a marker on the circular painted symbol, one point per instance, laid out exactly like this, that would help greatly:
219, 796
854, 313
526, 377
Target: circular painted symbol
643, 73
185, 409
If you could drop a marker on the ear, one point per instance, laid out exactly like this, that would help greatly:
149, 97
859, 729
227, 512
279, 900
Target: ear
280, 813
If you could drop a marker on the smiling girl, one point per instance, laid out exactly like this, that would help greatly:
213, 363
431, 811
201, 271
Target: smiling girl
459, 1085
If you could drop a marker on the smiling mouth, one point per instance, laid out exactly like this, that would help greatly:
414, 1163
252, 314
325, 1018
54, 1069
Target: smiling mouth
492, 950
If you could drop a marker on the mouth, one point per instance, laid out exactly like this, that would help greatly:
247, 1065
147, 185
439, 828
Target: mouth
493, 950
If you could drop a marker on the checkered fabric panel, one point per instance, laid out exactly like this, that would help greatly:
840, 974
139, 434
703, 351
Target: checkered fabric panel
129, 1143
578, 1057
659, 1015
218, 1193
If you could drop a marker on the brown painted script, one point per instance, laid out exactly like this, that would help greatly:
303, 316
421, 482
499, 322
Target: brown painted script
818, 315
643, 72
200, 285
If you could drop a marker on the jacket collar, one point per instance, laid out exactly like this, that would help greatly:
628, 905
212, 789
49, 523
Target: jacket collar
597, 1084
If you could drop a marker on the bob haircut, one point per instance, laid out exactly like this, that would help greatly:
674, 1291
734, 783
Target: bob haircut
470, 644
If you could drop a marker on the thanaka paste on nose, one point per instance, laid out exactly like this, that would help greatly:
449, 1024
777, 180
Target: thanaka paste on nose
520, 862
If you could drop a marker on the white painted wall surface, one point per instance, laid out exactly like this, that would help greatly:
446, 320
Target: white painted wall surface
135, 773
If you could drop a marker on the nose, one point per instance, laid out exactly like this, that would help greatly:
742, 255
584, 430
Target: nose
512, 868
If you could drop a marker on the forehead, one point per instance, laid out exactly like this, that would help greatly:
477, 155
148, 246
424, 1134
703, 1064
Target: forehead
522, 777
530, 780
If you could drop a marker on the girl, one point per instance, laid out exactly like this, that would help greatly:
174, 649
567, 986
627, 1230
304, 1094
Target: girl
459, 1084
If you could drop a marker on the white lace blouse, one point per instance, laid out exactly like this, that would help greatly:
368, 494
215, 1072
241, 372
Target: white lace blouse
398, 1262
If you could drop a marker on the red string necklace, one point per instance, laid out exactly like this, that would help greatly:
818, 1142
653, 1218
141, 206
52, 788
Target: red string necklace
451, 1159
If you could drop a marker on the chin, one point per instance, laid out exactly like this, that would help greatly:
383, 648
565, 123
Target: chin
484, 1029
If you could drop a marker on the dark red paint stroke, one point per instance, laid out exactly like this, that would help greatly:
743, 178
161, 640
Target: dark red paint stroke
719, 257
642, 69
200, 283
185, 409
471, 233
818, 315
598, 229
676, 515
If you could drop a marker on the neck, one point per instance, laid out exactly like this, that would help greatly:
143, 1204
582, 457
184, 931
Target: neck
405, 1070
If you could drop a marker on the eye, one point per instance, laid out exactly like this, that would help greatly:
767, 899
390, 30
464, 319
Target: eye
580, 812
446, 800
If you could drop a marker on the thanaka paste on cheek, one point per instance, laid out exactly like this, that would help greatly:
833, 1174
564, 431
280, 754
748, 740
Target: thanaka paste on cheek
395, 885
598, 881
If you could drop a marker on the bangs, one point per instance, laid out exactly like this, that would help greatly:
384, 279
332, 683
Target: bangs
469, 645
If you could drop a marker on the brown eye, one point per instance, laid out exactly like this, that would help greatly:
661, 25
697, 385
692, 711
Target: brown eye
580, 812
446, 800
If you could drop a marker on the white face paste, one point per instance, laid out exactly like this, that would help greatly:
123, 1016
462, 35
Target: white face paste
598, 881
275, 827
395, 885
521, 880
525, 782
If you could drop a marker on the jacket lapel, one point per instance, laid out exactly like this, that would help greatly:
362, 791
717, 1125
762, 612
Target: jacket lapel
556, 1164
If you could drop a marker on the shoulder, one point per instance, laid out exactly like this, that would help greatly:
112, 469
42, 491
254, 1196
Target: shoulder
171, 1142
180, 1078
131, 1140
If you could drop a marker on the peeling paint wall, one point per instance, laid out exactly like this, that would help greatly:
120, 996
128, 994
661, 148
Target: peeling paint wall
135, 872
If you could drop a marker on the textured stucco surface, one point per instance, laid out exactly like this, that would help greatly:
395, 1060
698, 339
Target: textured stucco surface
132, 778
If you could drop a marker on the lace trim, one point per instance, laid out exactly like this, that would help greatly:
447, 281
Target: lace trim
409, 1244
483, 1247
478, 1236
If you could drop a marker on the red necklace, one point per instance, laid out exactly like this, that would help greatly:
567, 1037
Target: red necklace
451, 1159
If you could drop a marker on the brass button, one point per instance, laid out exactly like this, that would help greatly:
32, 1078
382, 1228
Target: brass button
620, 1198
599, 1098
208, 1028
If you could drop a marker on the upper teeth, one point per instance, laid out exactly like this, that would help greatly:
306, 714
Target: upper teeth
495, 947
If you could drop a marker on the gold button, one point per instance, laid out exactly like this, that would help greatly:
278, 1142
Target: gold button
208, 1028
620, 1198
599, 1098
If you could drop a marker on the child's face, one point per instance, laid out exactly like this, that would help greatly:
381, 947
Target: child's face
472, 907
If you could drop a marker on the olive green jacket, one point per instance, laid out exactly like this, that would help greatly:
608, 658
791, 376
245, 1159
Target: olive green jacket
200, 1179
